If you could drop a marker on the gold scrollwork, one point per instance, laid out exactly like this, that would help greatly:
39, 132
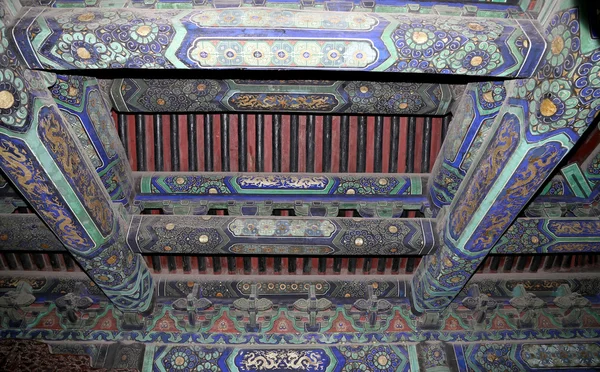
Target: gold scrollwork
487, 170
71, 161
35, 186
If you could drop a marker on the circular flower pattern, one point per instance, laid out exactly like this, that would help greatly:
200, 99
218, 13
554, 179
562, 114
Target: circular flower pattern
382, 358
144, 32
418, 39
14, 101
181, 359
495, 357
113, 40
230, 53
554, 107
564, 42
230, 17
282, 53
86, 51
307, 53
333, 54
483, 58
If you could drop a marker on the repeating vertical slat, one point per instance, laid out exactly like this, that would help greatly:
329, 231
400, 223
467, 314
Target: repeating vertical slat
344, 143
425, 154
225, 143
361, 159
276, 143
260, 138
140, 138
378, 145
208, 147
242, 142
310, 143
327, 142
193, 143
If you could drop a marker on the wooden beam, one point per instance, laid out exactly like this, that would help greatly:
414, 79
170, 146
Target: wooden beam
40, 155
271, 39
539, 122
306, 96
80, 101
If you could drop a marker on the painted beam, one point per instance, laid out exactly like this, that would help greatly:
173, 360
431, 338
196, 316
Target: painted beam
280, 40
80, 101
481, 8
220, 323
540, 121
41, 156
197, 194
306, 96
28, 233
385, 195
550, 235
280, 236
468, 130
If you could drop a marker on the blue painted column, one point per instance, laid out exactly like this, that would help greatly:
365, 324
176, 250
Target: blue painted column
80, 101
41, 155
473, 117
540, 121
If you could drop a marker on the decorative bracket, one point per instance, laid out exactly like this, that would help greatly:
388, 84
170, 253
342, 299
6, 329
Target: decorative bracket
572, 303
372, 305
313, 307
250, 208
73, 304
527, 304
479, 304
192, 305
316, 209
429, 321
13, 304
252, 305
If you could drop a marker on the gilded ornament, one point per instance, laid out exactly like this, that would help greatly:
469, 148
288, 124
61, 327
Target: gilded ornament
420, 37
7, 100
144, 30
548, 108
83, 53
86, 17
558, 44
476, 61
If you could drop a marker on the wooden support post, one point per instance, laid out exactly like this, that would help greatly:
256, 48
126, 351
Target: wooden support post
473, 119
80, 102
541, 120
41, 156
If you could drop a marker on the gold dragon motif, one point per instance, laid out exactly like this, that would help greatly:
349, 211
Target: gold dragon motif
73, 165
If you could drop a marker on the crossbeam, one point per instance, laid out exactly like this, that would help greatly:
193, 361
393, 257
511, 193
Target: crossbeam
161, 234
306, 96
91, 38
389, 194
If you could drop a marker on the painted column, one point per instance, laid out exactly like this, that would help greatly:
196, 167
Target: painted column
473, 117
40, 154
81, 103
541, 120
